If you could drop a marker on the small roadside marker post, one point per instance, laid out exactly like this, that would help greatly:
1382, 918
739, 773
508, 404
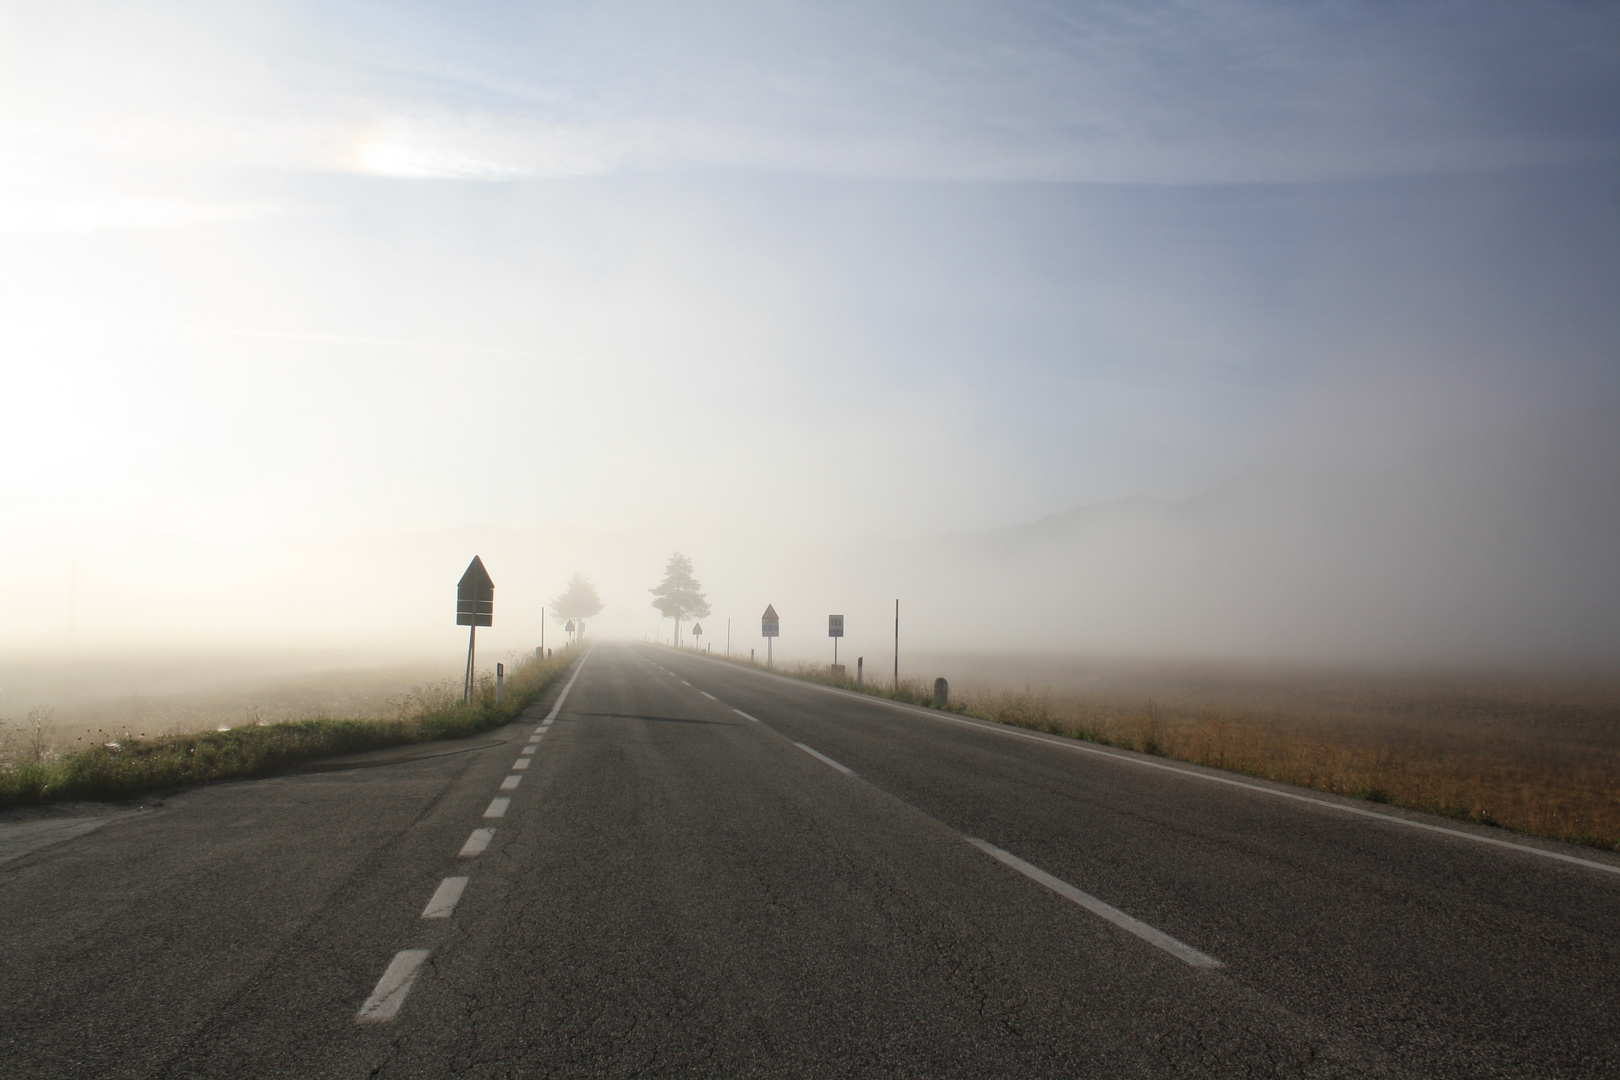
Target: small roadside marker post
860, 662
770, 628
500, 683
475, 607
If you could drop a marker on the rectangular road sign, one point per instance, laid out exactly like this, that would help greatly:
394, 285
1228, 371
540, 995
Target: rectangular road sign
835, 626
769, 624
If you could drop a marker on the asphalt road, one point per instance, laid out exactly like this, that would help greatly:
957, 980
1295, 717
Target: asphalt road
711, 871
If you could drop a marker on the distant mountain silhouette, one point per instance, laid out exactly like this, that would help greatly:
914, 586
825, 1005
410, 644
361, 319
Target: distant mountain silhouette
1501, 547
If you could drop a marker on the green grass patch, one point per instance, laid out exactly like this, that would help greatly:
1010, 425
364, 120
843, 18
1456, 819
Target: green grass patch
133, 766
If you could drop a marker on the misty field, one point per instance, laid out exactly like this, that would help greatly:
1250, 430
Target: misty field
1538, 753
150, 742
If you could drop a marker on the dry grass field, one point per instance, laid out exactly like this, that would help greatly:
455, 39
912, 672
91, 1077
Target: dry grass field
1537, 753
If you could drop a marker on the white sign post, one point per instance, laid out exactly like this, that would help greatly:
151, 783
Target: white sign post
835, 630
769, 627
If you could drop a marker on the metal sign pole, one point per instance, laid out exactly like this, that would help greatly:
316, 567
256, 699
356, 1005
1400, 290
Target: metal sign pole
769, 627
897, 644
475, 607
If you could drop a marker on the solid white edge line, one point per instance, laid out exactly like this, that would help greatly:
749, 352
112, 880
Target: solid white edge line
745, 716
445, 898
1185, 953
384, 1002
497, 807
1084, 748
476, 843
562, 697
846, 770
511, 782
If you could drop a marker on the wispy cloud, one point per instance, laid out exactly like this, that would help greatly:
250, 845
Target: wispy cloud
1112, 92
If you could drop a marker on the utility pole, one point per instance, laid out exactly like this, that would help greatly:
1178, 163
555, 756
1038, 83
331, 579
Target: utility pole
897, 643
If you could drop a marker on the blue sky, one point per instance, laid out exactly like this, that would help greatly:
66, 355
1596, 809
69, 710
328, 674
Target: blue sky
283, 274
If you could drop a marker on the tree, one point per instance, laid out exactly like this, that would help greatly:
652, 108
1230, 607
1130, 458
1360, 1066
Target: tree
578, 602
680, 596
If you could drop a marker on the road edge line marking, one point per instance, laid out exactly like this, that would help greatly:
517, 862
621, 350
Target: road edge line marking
562, 697
1153, 936
845, 769
1080, 747
476, 843
396, 982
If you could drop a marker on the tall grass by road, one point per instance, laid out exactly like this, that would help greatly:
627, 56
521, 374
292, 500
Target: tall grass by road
30, 772
1537, 764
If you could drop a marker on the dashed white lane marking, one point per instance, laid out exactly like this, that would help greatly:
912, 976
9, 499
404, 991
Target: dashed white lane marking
384, 1002
497, 807
846, 770
541, 730
445, 898
745, 716
562, 697
511, 782
685, 683
708, 695
1185, 953
476, 843
528, 750
522, 763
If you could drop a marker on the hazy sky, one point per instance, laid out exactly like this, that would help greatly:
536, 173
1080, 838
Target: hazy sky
746, 278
